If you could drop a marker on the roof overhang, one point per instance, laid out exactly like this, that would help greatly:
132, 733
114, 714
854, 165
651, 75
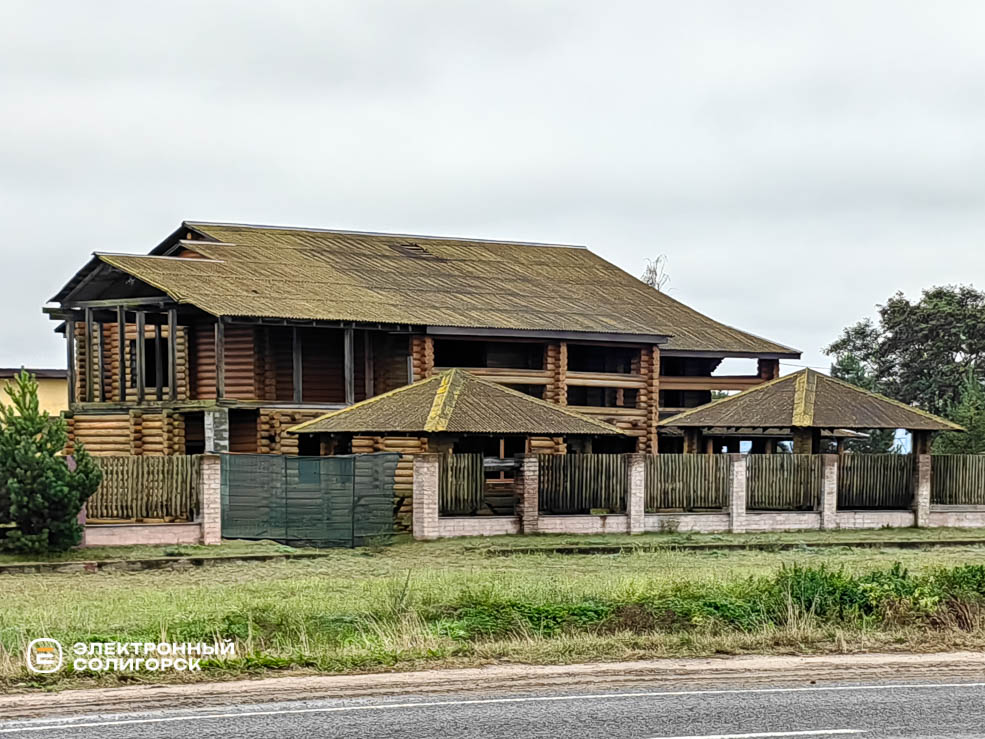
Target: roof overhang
505, 333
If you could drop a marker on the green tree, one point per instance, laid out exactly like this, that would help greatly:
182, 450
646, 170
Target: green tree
918, 352
970, 413
41, 492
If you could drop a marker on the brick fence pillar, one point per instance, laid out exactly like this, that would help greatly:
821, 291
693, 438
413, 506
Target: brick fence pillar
737, 498
425, 497
211, 499
829, 491
527, 486
921, 491
636, 492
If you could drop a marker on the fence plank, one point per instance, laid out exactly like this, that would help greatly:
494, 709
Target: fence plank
578, 483
875, 481
137, 488
687, 482
461, 484
783, 482
957, 479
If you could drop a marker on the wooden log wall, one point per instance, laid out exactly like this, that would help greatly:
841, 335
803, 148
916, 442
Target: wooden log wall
546, 445
648, 399
240, 362
390, 362
202, 361
136, 433
556, 367
272, 425
422, 352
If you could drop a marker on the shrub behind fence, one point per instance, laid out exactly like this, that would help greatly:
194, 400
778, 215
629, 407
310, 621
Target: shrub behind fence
461, 484
875, 481
958, 479
783, 482
577, 483
687, 482
142, 488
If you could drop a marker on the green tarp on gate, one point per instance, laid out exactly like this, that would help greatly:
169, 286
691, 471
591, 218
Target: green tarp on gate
343, 501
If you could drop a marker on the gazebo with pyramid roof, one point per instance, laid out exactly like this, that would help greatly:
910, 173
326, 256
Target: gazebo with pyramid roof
803, 405
454, 405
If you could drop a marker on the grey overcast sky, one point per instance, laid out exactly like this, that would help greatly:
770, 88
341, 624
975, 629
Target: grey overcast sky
797, 162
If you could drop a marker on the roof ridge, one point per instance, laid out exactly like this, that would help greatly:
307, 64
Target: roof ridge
690, 411
351, 232
553, 406
805, 393
444, 401
363, 403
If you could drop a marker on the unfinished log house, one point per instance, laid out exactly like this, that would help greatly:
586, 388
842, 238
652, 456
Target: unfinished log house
224, 336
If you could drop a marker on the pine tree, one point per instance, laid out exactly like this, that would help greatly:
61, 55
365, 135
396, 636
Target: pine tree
969, 412
41, 492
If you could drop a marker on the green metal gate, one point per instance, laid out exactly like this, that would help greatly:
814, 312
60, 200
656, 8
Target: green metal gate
344, 501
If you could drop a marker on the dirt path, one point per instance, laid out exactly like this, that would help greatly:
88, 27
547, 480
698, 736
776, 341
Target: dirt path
664, 673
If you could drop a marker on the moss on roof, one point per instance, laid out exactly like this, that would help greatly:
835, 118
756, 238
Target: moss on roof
455, 401
267, 272
809, 399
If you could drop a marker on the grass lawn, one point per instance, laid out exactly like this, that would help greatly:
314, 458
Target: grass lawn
414, 605
226, 549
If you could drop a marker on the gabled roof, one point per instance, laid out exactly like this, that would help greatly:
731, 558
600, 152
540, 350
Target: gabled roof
455, 401
311, 274
809, 399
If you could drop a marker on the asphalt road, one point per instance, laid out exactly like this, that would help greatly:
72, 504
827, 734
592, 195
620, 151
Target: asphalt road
946, 709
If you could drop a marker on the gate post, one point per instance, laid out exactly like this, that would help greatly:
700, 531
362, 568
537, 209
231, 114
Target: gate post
921, 490
425, 510
829, 491
636, 492
216, 422
211, 499
527, 490
737, 497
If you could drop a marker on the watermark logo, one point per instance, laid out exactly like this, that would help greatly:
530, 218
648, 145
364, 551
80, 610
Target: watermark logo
44, 656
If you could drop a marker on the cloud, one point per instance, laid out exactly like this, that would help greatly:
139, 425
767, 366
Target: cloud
797, 163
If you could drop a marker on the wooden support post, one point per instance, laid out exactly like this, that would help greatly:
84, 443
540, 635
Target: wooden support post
121, 350
89, 394
158, 363
350, 368
172, 354
220, 358
296, 353
70, 359
710, 445
141, 362
368, 363
803, 441
692, 440
101, 362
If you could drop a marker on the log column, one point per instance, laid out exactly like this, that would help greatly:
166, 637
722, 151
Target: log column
648, 399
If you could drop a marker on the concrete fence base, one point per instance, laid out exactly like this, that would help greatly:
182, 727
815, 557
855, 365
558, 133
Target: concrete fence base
428, 524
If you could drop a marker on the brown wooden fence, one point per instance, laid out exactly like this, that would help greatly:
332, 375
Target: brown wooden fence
580, 483
957, 479
161, 489
461, 484
783, 482
687, 482
875, 481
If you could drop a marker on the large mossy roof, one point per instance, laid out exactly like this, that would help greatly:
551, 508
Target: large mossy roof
288, 273
455, 401
809, 399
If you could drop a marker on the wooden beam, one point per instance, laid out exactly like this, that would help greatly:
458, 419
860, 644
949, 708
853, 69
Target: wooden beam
141, 358
113, 302
70, 359
121, 350
172, 353
350, 367
220, 358
368, 369
90, 394
101, 363
297, 359
158, 363
720, 382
